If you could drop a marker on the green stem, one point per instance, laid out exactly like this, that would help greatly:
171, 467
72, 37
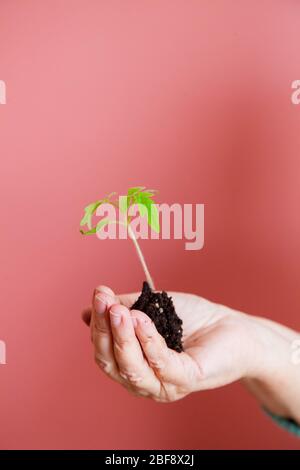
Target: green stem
137, 247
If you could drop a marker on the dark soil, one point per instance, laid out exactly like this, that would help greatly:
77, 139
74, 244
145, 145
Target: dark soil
159, 307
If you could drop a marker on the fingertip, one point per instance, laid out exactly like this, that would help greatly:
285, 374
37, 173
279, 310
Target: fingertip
102, 301
104, 290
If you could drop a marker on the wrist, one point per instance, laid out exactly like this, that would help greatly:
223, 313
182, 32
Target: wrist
266, 351
257, 342
273, 377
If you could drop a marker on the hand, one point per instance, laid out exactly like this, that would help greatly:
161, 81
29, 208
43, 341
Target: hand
220, 346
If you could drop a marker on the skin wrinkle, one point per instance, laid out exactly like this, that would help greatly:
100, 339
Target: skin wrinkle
131, 377
104, 365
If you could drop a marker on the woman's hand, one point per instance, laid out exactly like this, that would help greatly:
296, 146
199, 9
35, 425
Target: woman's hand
220, 346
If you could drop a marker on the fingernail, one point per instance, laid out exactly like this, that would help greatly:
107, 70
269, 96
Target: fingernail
116, 315
100, 304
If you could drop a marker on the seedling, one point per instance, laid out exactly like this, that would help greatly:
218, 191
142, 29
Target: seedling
157, 305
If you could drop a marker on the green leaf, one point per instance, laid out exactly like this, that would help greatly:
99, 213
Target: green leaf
135, 195
144, 200
135, 190
100, 226
148, 193
139, 195
88, 232
89, 211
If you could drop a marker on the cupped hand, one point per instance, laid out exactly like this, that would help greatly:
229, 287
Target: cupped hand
220, 346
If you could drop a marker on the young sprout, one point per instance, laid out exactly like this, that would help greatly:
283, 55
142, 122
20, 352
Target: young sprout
139, 196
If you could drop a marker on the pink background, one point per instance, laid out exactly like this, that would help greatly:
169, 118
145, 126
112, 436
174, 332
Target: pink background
192, 98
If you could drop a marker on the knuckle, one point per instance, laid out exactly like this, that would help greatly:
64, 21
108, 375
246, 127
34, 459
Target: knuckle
148, 339
160, 399
131, 377
122, 343
161, 342
157, 364
102, 363
139, 393
169, 393
100, 330
155, 339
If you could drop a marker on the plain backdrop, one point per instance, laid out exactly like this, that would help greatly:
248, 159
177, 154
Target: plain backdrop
192, 98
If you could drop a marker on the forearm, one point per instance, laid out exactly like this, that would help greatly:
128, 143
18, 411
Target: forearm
276, 381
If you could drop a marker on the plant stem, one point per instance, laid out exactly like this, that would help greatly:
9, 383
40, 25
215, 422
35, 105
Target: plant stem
141, 257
